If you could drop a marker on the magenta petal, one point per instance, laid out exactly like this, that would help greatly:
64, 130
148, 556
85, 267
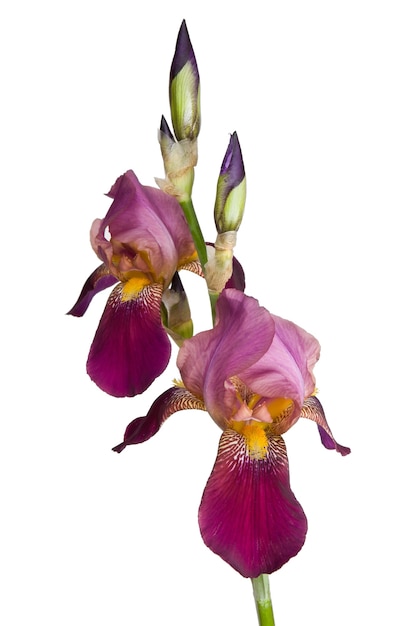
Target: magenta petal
143, 428
248, 514
313, 410
100, 279
130, 348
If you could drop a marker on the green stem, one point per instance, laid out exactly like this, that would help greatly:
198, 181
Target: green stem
200, 245
214, 296
263, 600
197, 235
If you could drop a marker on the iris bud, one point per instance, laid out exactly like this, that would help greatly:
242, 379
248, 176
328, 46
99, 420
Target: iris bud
184, 89
231, 189
180, 159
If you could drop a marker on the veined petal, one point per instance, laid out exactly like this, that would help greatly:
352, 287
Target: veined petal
248, 514
130, 348
100, 279
143, 428
313, 410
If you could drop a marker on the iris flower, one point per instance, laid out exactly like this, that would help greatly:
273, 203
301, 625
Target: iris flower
253, 373
142, 242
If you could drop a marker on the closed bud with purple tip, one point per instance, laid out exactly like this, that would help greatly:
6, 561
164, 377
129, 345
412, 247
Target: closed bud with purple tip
231, 189
180, 158
228, 214
184, 89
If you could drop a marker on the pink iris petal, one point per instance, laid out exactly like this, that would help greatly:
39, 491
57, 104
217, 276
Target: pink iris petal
248, 514
285, 370
143, 428
100, 279
147, 229
313, 410
243, 333
130, 348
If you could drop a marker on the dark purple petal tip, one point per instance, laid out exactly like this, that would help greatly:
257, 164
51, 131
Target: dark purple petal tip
183, 53
165, 129
233, 165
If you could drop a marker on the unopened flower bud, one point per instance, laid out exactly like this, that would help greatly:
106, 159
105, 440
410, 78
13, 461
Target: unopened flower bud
184, 89
180, 159
231, 189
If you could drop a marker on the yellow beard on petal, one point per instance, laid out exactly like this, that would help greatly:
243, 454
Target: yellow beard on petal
279, 408
255, 436
132, 287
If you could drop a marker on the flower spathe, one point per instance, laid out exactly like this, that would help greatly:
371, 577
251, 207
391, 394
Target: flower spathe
142, 242
253, 373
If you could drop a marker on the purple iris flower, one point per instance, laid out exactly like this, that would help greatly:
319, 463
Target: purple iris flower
142, 242
253, 373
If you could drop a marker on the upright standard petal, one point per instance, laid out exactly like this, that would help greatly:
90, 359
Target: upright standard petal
130, 348
285, 370
148, 232
248, 514
243, 333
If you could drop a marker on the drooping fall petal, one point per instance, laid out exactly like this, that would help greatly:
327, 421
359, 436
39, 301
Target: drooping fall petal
313, 410
143, 428
248, 514
130, 348
100, 279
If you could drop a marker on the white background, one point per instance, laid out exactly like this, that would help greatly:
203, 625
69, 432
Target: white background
323, 97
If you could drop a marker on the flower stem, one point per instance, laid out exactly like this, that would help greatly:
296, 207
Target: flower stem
263, 600
200, 245
197, 235
214, 296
